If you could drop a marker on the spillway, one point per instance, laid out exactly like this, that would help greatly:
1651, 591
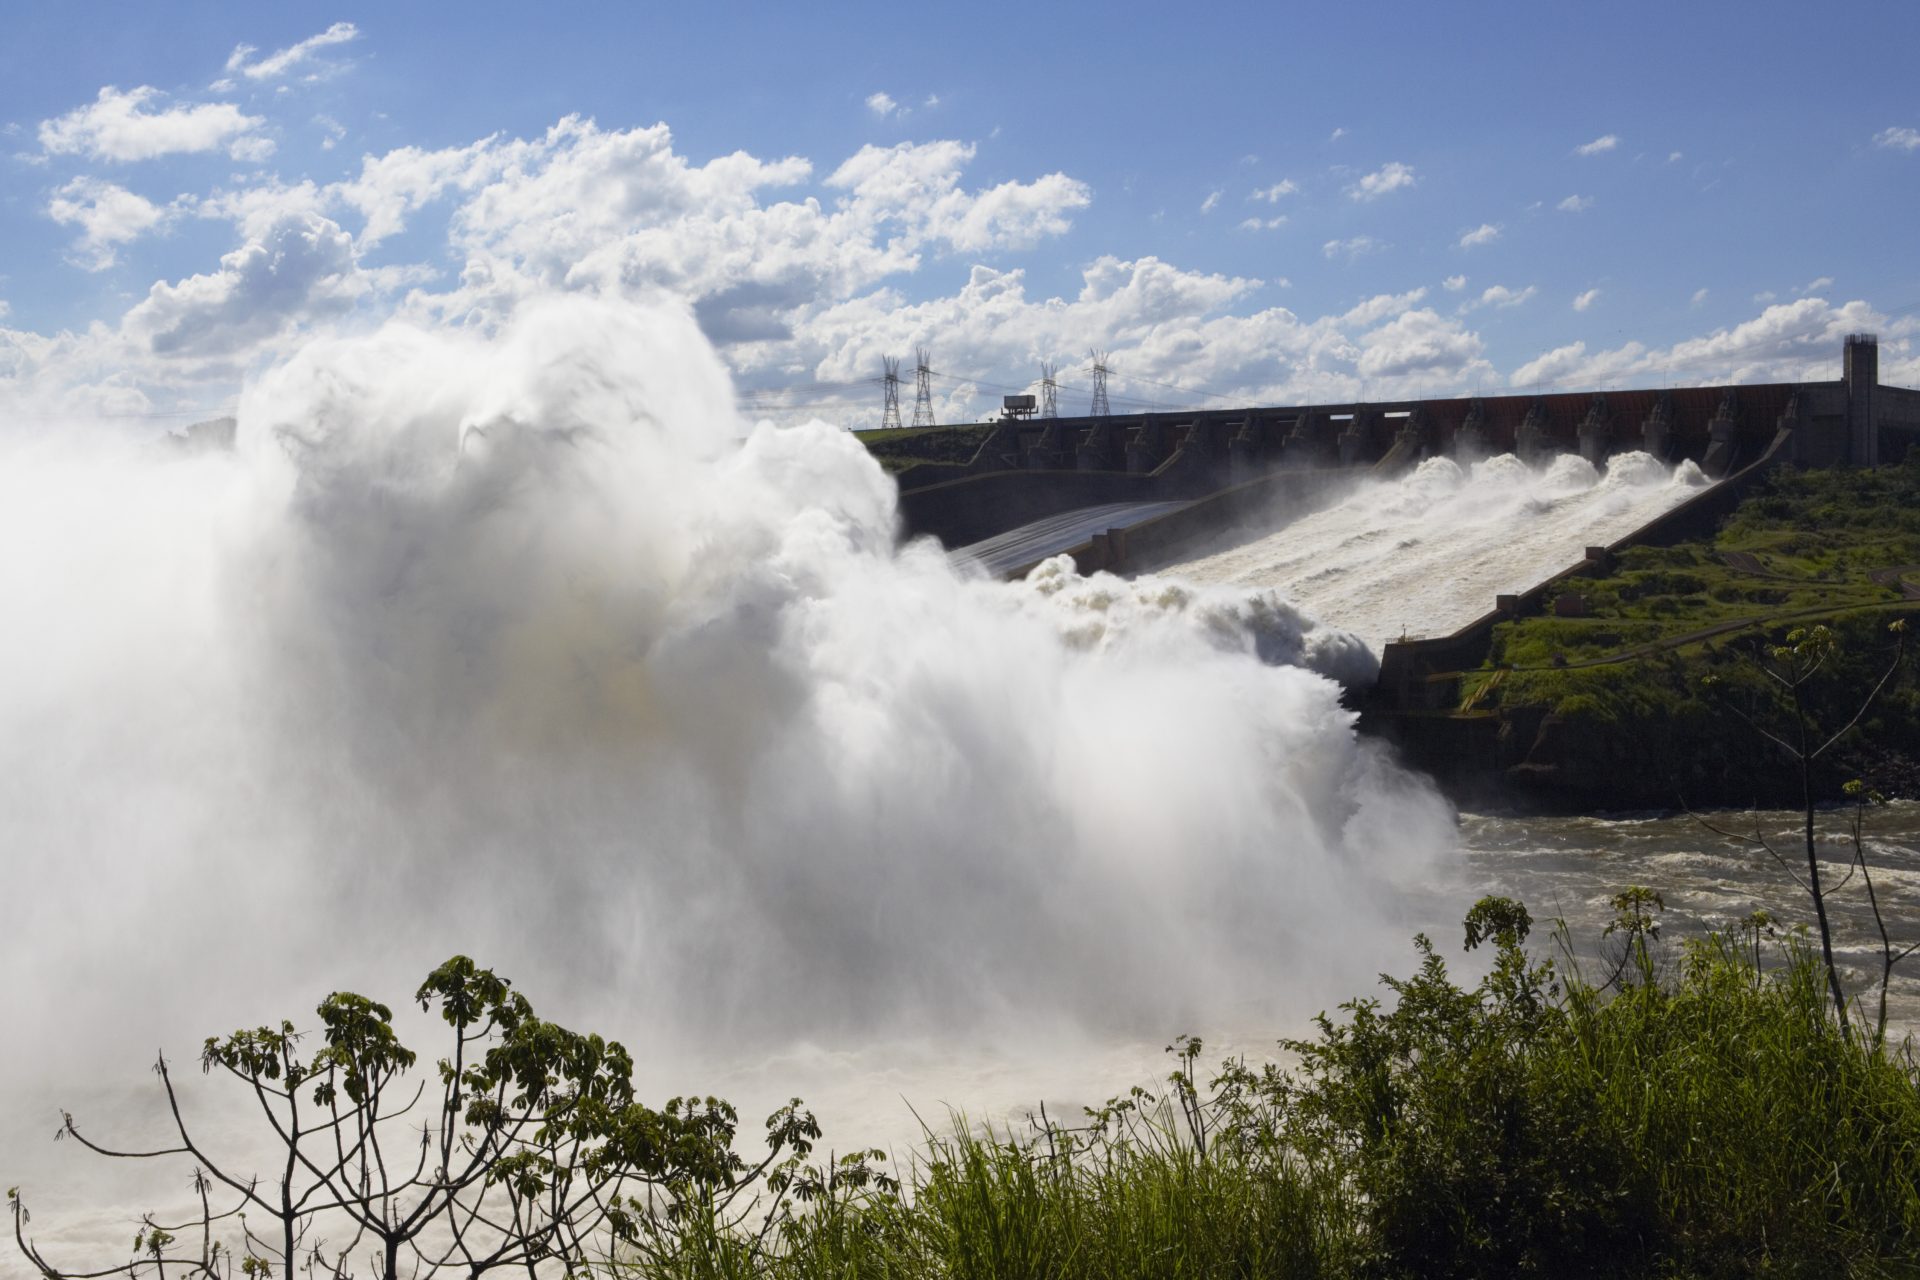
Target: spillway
1041, 538
1426, 553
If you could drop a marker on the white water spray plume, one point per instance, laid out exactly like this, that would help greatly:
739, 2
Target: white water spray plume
1426, 553
528, 646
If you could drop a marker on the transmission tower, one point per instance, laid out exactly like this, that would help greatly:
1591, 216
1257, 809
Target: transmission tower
1100, 407
923, 388
1049, 390
890, 416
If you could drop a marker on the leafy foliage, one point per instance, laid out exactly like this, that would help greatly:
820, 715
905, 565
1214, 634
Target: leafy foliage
532, 1153
1689, 1115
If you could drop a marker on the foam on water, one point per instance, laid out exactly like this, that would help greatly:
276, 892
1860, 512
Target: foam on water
1426, 553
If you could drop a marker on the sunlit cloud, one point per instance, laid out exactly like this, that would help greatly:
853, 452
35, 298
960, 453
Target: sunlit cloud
277, 64
1498, 295
1351, 248
132, 125
1392, 176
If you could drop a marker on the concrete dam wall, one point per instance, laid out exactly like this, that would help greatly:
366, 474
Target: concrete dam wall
1026, 469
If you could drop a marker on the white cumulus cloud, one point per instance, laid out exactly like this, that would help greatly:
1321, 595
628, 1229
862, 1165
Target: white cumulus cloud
797, 276
1485, 233
1419, 342
132, 126
1498, 295
1263, 224
1575, 204
1789, 342
1391, 176
107, 215
301, 270
1606, 142
1899, 138
1212, 202
882, 104
277, 64
1351, 248
1272, 194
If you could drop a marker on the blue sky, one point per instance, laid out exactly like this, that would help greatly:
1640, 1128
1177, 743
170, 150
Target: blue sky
1270, 203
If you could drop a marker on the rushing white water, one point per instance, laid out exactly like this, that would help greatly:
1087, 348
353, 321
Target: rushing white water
1426, 553
525, 646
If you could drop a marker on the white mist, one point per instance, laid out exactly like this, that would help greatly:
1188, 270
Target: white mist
524, 645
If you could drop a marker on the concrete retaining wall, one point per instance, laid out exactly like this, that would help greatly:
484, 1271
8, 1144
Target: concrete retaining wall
967, 510
1156, 542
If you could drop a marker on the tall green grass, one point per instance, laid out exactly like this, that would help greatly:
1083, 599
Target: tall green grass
1692, 1113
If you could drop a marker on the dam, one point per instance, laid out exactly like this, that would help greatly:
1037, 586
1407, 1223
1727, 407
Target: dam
1224, 463
1147, 492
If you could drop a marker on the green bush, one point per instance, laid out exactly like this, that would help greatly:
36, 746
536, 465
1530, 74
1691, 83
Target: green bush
1694, 1114
1660, 1118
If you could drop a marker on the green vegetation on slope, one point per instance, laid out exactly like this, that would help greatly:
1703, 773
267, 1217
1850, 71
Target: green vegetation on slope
1625, 683
896, 450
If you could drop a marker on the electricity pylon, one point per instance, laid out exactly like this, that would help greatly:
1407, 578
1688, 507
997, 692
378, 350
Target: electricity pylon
923, 389
890, 415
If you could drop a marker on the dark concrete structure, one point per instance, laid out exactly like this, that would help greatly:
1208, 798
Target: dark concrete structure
1173, 480
1028, 470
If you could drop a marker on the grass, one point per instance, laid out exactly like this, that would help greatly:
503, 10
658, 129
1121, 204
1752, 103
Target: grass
898, 449
1627, 677
1814, 537
1686, 1113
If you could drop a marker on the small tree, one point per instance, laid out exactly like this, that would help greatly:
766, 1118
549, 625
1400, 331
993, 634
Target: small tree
1793, 666
1891, 954
531, 1152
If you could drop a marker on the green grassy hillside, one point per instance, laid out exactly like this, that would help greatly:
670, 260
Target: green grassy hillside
1624, 683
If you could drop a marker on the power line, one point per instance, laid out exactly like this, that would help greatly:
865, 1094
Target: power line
1174, 386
